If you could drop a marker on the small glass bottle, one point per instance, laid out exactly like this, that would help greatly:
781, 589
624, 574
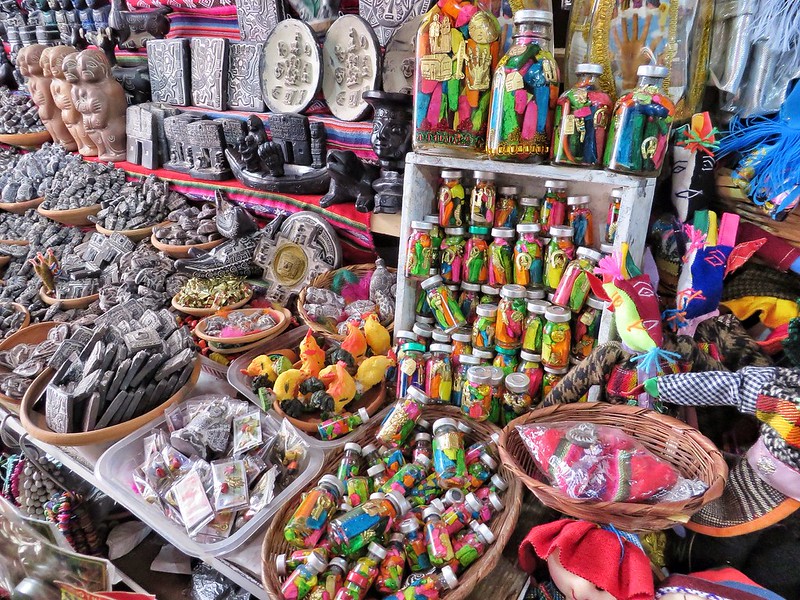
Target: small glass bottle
415, 547
606, 249
422, 309
534, 326
460, 377
340, 425
358, 490
419, 253
530, 365
506, 359
488, 446
486, 508
393, 458
511, 311
451, 199
579, 217
476, 256
476, 397
524, 92
501, 257
575, 286
307, 524
440, 547
424, 332
443, 304
426, 491
440, 337
551, 378
399, 421
330, 581
461, 343
485, 357
350, 463
528, 256
371, 455
448, 453
479, 472
431, 586
581, 123
490, 294
378, 475
556, 338
470, 545
362, 575
640, 127
410, 368
439, 374
469, 299
286, 563
612, 217
483, 199
304, 578
586, 328
483, 330
407, 476
422, 446
496, 385
529, 207
457, 515
390, 575
554, 206
517, 397
506, 211
557, 255
437, 234
352, 532
452, 254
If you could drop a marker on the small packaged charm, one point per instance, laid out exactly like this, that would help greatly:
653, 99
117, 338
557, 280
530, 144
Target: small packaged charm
461, 344
362, 574
451, 200
230, 485
246, 432
470, 545
427, 586
506, 210
190, 495
483, 199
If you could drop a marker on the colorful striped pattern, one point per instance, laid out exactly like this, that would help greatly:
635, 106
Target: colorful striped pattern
201, 23
782, 415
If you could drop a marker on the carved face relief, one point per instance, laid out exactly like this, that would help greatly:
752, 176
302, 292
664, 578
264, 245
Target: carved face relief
93, 66
387, 17
244, 91
399, 60
290, 67
168, 65
70, 67
391, 133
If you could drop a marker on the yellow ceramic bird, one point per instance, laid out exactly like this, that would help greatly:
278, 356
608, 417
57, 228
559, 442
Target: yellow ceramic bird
312, 356
372, 371
378, 337
339, 384
355, 342
260, 365
288, 383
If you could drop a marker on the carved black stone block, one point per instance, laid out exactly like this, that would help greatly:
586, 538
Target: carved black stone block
208, 150
179, 146
257, 18
209, 72
244, 89
292, 134
170, 76
140, 125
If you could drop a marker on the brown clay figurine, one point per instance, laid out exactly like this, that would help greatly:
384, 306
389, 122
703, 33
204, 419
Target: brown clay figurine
61, 88
101, 100
28, 62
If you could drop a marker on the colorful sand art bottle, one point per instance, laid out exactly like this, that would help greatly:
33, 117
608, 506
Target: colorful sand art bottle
390, 575
307, 524
304, 578
440, 547
429, 587
362, 574
352, 532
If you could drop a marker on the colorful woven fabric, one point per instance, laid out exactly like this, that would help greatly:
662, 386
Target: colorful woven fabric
220, 23
185, 5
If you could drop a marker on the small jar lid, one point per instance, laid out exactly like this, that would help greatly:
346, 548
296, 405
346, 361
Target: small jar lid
432, 219
517, 382
479, 375
422, 330
397, 537
487, 459
486, 310
484, 175
530, 356
316, 563
453, 496
446, 348
362, 412
412, 347
423, 225
445, 422
506, 351
617, 193
478, 230
503, 232
538, 307
490, 290
399, 501
589, 69
530, 201
555, 184
555, 371
338, 561
453, 173
431, 511
498, 482
536, 293
449, 576
607, 248
405, 334
409, 526
483, 530
460, 335
377, 550
589, 253
508, 190
469, 359
578, 200
440, 337
422, 437
423, 460
432, 282
595, 302
513, 290
470, 287
423, 425
558, 314
332, 481
425, 320
528, 15
561, 231
529, 228
497, 375
433, 271
495, 501
652, 71
482, 354
368, 449
352, 447
461, 231
417, 394
376, 470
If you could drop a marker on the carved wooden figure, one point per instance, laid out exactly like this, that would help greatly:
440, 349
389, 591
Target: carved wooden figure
101, 100
60, 58
28, 61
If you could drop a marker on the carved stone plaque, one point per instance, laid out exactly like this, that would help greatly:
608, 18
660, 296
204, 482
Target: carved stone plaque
351, 62
210, 72
257, 18
290, 67
399, 59
168, 63
244, 91
387, 17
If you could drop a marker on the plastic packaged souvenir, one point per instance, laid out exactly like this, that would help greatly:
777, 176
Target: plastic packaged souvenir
452, 254
579, 217
460, 376
528, 256
476, 256
190, 497
448, 453
529, 209
506, 359
556, 338
390, 575
410, 368
476, 398
483, 330
511, 312
574, 287
524, 92
581, 123
557, 255
422, 446
534, 326
550, 379
439, 374
358, 490
231, 490
362, 574
451, 200
501, 257
468, 300
350, 463
506, 211
419, 253
330, 581
428, 586
440, 547
586, 328
483, 199
597, 462
246, 432
530, 365
443, 304
612, 216
307, 524
470, 545
554, 205
415, 548
408, 476
304, 578
399, 421
517, 397
461, 342
640, 127
340, 425
351, 532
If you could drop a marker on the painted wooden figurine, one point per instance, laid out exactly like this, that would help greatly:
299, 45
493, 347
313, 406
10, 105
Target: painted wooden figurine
59, 57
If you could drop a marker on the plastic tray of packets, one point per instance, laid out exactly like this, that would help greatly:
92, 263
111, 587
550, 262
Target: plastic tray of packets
117, 467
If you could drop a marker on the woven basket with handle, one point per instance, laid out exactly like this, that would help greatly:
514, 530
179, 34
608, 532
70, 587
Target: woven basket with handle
685, 448
502, 525
325, 281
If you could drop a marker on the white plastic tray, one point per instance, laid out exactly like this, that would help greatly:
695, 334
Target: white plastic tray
116, 466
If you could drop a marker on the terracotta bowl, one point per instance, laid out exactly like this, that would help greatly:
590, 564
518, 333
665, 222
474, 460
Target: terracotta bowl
20, 208
32, 334
207, 312
280, 320
35, 422
182, 251
135, 235
4, 260
67, 304
75, 216
26, 140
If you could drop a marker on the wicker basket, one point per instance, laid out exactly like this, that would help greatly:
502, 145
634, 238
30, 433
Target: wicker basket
324, 281
685, 448
502, 525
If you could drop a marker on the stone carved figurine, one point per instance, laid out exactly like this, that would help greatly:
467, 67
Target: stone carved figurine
351, 181
61, 58
134, 80
28, 61
101, 100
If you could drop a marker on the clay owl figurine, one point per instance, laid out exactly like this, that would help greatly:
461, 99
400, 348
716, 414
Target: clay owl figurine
61, 88
38, 78
101, 101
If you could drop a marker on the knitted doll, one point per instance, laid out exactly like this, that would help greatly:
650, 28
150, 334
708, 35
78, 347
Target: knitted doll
586, 562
